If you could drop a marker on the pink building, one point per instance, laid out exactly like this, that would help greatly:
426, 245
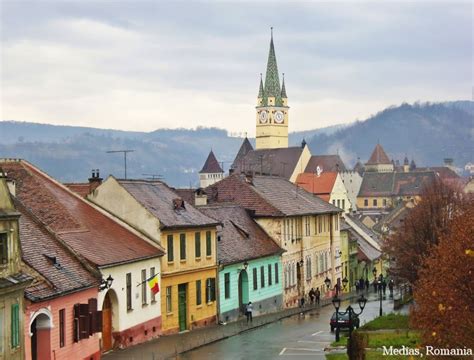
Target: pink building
54, 326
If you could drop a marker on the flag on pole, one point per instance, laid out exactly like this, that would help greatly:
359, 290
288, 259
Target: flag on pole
153, 283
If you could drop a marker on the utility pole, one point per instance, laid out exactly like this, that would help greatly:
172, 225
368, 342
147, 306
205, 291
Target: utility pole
125, 152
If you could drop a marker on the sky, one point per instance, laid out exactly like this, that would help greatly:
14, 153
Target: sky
141, 65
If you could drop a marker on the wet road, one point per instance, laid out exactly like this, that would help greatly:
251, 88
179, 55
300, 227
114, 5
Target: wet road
299, 337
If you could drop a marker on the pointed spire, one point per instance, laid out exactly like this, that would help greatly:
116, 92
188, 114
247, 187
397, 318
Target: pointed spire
283, 88
272, 81
260, 90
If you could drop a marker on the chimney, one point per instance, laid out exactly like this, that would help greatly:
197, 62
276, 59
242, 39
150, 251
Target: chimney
449, 163
249, 178
200, 197
178, 204
95, 180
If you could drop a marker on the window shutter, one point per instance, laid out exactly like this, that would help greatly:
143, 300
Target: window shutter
92, 305
98, 321
213, 289
207, 290
84, 327
76, 328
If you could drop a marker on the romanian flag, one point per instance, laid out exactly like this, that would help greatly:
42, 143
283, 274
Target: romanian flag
153, 283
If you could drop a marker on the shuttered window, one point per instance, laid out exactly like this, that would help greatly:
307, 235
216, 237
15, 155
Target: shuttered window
87, 320
62, 319
277, 279
197, 244
182, 246
15, 325
255, 281
144, 287
262, 276
227, 285
3, 248
208, 244
270, 274
210, 289
198, 292
170, 249
129, 290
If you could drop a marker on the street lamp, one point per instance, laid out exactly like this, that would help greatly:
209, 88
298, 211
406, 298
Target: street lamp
379, 283
344, 283
327, 282
337, 304
106, 283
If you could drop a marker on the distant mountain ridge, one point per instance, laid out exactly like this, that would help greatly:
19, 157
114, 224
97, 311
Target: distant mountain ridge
427, 132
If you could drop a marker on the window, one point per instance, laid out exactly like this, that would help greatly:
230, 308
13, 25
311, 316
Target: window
182, 246
61, 327
366, 202
208, 244
255, 284
170, 248
285, 275
15, 325
343, 204
210, 289
169, 304
384, 202
321, 263
320, 225
3, 248
277, 279
129, 290
336, 222
227, 285
197, 244
338, 203
334, 202
374, 202
307, 225
153, 296
270, 274
262, 276
316, 269
308, 267
198, 292
144, 287
2, 334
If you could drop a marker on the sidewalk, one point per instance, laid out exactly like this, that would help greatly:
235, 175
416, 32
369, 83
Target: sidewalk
170, 346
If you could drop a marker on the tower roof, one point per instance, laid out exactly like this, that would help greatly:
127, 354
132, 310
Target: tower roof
211, 165
378, 156
272, 81
260, 89
244, 149
283, 88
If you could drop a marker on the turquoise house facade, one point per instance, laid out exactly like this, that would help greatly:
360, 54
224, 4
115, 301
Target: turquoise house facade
258, 281
250, 266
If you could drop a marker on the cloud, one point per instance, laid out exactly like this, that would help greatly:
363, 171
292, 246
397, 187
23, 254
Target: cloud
142, 65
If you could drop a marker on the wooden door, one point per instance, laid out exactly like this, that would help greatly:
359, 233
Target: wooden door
107, 324
182, 307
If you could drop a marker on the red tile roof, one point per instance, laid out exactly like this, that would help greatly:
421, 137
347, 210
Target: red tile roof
378, 156
319, 185
81, 189
87, 230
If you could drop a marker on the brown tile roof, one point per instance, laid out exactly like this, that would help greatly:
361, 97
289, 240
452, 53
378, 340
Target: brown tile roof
211, 165
394, 183
326, 163
244, 149
319, 185
158, 199
81, 189
187, 195
39, 248
268, 196
88, 231
241, 238
442, 171
410, 184
378, 156
280, 162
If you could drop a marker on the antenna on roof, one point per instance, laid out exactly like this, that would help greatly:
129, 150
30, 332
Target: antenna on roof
125, 152
153, 176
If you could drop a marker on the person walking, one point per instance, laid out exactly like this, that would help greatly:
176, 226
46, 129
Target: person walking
318, 295
311, 296
367, 285
248, 312
390, 288
384, 286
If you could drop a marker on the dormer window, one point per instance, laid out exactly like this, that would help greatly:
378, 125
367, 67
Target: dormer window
3, 248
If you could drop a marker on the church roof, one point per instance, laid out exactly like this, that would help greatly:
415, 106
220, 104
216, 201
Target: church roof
244, 149
272, 80
211, 165
326, 163
378, 156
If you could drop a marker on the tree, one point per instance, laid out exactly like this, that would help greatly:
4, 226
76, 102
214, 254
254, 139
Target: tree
422, 229
444, 293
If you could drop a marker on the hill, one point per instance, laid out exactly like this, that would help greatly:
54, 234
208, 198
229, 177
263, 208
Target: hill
427, 132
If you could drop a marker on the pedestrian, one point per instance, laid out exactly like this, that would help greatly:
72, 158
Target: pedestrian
302, 301
390, 287
357, 287
367, 284
312, 296
318, 295
361, 284
375, 285
248, 312
384, 286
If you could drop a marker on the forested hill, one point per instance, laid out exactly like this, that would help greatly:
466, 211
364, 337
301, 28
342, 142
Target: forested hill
429, 133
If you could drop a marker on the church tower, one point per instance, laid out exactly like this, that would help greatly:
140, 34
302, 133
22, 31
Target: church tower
272, 107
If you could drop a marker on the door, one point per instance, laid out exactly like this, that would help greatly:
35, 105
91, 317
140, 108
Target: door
107, 324
243, 290
182, 306
34, 340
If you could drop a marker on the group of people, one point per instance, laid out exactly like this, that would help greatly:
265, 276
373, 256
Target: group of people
362, 285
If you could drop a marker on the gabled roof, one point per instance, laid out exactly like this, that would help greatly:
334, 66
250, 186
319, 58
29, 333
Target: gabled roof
325, 163
319, 185
268, 196
395, 183
280, 161
367, 240
378, 156
241, 238
159, 199
244, 149
211, 165
377, 184
87, 230
43, 252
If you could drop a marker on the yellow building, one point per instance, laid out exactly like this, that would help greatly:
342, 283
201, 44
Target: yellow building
272, 108
189, 268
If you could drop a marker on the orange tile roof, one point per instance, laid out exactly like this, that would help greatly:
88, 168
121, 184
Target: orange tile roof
319, 185
378, 156
87, 230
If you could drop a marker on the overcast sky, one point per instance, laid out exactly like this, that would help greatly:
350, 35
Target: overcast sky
147, 65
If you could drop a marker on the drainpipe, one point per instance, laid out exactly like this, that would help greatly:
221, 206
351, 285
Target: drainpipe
331, 241
218, 291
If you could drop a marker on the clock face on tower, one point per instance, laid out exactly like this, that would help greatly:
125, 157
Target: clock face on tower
279, 117
263, 117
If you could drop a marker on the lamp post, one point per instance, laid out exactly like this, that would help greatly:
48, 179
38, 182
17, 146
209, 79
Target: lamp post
350, 310
327, 281
106, 283
344, 283
379, 283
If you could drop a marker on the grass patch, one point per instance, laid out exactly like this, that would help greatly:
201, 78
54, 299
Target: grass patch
395, 339
336, 356
342, 342
389, 321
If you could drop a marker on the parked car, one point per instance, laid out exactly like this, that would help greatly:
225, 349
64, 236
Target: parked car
343, 321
